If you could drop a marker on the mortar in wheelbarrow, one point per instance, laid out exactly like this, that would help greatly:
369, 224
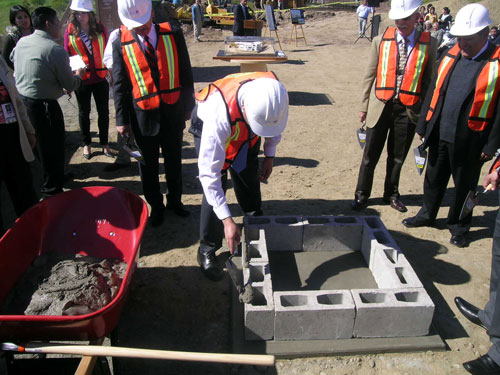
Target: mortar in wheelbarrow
102, 222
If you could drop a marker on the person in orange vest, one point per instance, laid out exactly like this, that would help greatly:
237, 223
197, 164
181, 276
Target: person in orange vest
399, 70
151, 67
232, 116
87, 38
489, 317
460, 121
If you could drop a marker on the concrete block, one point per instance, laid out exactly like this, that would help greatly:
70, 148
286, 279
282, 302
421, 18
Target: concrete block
258, 272
392, 270
392, 312
313, 315
259, 315
255, 250
282, 233
330, 233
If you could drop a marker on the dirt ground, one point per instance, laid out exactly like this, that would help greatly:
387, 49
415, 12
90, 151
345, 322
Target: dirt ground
172, 306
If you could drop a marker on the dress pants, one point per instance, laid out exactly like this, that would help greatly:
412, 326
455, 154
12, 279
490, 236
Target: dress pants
100, 90
47, 119
15, 171
490, 316
395, 127
246, 187
169, 139
464, 165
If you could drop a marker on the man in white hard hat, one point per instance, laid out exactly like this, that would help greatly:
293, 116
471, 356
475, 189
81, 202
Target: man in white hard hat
460, 122
399, 70
233, 114
151, 67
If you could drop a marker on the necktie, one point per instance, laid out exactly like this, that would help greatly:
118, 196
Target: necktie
150, 52
403, 58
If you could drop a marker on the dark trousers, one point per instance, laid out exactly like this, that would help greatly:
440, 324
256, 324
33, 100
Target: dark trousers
47, 119
100, 90
464, 165
246, 187
15, 171
169, 139
490, 316
395, 127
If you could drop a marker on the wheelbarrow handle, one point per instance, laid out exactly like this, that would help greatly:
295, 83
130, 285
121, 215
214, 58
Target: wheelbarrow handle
115, 351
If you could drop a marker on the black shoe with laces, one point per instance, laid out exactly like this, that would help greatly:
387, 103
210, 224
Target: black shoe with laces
209, 266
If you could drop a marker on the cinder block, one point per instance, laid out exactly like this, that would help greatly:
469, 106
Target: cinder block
255, 250
325, 233
392, 270
258, 272
392, 312
259, 315
252, 226
313, 315
282, 233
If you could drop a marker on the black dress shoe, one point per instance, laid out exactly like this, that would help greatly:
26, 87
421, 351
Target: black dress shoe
458, 240
483, 365
178, 209
397, 205
358, 204
416, 222
156, 217
469, 311
209, 266
87, 156
115, 166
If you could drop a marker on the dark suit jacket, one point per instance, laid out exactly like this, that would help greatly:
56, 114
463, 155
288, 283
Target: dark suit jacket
487, 141
239, 18
149, 121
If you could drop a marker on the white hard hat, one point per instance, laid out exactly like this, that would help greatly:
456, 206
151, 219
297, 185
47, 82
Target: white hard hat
403, 8
471, 19
266, 106
82, 6
134, 13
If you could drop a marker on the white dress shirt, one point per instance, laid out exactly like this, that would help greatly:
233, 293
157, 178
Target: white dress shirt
216, 132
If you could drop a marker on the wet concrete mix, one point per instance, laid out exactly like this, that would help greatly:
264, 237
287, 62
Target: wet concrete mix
65, 284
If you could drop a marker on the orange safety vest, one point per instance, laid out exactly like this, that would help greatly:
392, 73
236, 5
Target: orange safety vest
77, 47
411, 86
486, 93
146, 95
240, 130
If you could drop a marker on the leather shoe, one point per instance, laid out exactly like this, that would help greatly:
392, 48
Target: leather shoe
416, 222
469, 311
115, 166
397, 205
209, 266
458, 240
178, 209
156, 216
483, 365
358, 204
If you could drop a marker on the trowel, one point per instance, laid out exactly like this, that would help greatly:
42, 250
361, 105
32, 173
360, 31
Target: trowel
361, 134
132, 150
471, 201
245, 292
420, 158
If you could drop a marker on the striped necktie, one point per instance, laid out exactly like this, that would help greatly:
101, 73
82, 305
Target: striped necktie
403, 58
150, 52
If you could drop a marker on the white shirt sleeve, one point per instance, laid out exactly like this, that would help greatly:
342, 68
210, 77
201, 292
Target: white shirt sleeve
108, 51
216, 131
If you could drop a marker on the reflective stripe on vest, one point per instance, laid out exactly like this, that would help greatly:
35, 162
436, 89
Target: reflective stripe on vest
411, 86
486, 91
240, 130
77, 47
144, 90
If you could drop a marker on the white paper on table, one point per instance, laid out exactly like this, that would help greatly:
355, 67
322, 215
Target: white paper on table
76, 62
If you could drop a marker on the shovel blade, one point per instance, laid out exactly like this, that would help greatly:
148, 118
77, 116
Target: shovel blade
469, 204
361, 135
420, 158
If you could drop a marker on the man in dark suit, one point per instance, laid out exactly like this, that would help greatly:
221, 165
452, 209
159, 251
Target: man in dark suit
151, 65
460, 120
241, 13
399, 70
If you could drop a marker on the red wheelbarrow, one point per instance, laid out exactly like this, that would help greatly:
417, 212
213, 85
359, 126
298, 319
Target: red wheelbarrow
99, 221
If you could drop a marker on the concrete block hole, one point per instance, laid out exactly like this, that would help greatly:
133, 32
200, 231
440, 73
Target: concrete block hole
345, 220
253, 252
258, 220
372, 222
259, 299
381, 237
372, 297
257, 274
293, 300
330, 299
400, 273
318, 220
287, 220
391, 254
407, 296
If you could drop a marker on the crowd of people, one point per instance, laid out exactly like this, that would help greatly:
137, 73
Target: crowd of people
451, 104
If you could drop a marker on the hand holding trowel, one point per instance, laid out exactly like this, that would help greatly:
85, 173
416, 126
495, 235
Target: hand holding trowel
420, 157
361, 134
471, 201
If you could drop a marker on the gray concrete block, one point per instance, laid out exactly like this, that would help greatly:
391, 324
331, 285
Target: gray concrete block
259, 315
282, 233
330, 233
255, 250
392, 270
313, 315
392, 312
